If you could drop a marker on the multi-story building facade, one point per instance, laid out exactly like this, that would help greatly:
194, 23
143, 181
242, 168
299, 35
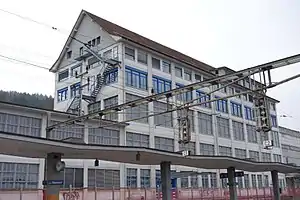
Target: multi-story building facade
140, 67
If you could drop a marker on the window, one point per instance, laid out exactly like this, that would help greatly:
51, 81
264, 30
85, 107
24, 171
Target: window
131, 177
239, 181
182, 113
107, 54
108, 103
191, 146
253, 179
266, 157
135, 78
246, 179
274, 120
166, 144
225, 151
137, 140
275, 138
155, 63
187, 96
203, 97
204, 124
129, 53
145, 178
104, 136
207, 149
184, 182
142, 57
98, 40
223, 127
249, 113
81, 51
93, 62
19, 175
238, 131
103, 178
187, 74
165, 119
166, 66
240, 153
263, 137
205, 183
273, 106
277, 158
75, 89
254, 155
63, 75
197, 77
252, 134
178, 72
194, 181
266, 179
236, 109
138, 111
94, 107
213, 180
115, 53
73, 176
71, 131
224, 182
111, 76
93, 42
160, 85
77, 69
250, 98
221, 105
62, 94
69, 54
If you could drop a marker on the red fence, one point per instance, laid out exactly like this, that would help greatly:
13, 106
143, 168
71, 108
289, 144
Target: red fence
149, 194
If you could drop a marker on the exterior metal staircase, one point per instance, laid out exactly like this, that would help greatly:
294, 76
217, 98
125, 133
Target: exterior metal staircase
74, 105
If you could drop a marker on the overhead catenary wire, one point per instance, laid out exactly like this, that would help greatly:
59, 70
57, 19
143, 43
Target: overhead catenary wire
23, 62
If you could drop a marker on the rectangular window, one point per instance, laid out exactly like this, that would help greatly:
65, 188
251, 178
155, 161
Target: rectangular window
104, 136
178, 72
213, 180
240, 153
62, 94
111, 76
223, 127
93, 42
253, 180
181, 113
238, 131
166, 119
263, 137
94, 107
103, 178
205, 124
76, 70
275, 138
98, 40
136, 78
277, 158
108, 103
207, 149
74, 177
115, 54
274, 121
137, 139
162, 143
63, 75
107, 54
252, 134
129, 53
160, 85
194, 181
75, 89
239, 181
184, 182
81, 51
187, 96
266, 179
273, 106
71, 131
191, 146
131, 177
249, 113
225, 151
203, 97
246, 179
142, 57
221, 105
145, 178
198, 77
205, 183
69, 54
266, 157
250, 98
155, 63
236, 109
254, 155
166, 66
138, 111
187, 74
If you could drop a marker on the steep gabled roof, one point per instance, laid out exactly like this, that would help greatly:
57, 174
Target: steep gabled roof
117, 30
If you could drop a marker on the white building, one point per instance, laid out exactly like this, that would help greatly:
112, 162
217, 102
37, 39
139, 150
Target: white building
223, 128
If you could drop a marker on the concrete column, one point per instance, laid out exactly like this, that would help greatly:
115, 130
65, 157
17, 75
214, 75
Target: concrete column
165, 168
275, 183
231, 183
52, 191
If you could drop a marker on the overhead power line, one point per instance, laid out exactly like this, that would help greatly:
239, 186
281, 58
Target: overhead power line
24, 62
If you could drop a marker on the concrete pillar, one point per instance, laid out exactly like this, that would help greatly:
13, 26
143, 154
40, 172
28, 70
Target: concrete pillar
52, 175
231, 183
165, 168
275, 183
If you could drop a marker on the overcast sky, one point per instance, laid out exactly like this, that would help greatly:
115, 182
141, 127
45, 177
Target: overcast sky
237, 34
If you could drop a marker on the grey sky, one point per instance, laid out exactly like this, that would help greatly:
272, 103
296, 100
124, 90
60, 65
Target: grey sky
237, 34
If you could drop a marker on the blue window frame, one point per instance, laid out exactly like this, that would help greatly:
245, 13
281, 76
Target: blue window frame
160, 84
62, 94
184, 96
274, 120
136, 78
221, 105
249, 113
236, 109
202, 98
111, 76
75, 89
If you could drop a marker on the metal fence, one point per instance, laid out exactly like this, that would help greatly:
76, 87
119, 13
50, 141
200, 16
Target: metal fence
150, 194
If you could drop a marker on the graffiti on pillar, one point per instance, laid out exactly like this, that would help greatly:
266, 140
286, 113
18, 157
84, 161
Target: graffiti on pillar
71, 195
